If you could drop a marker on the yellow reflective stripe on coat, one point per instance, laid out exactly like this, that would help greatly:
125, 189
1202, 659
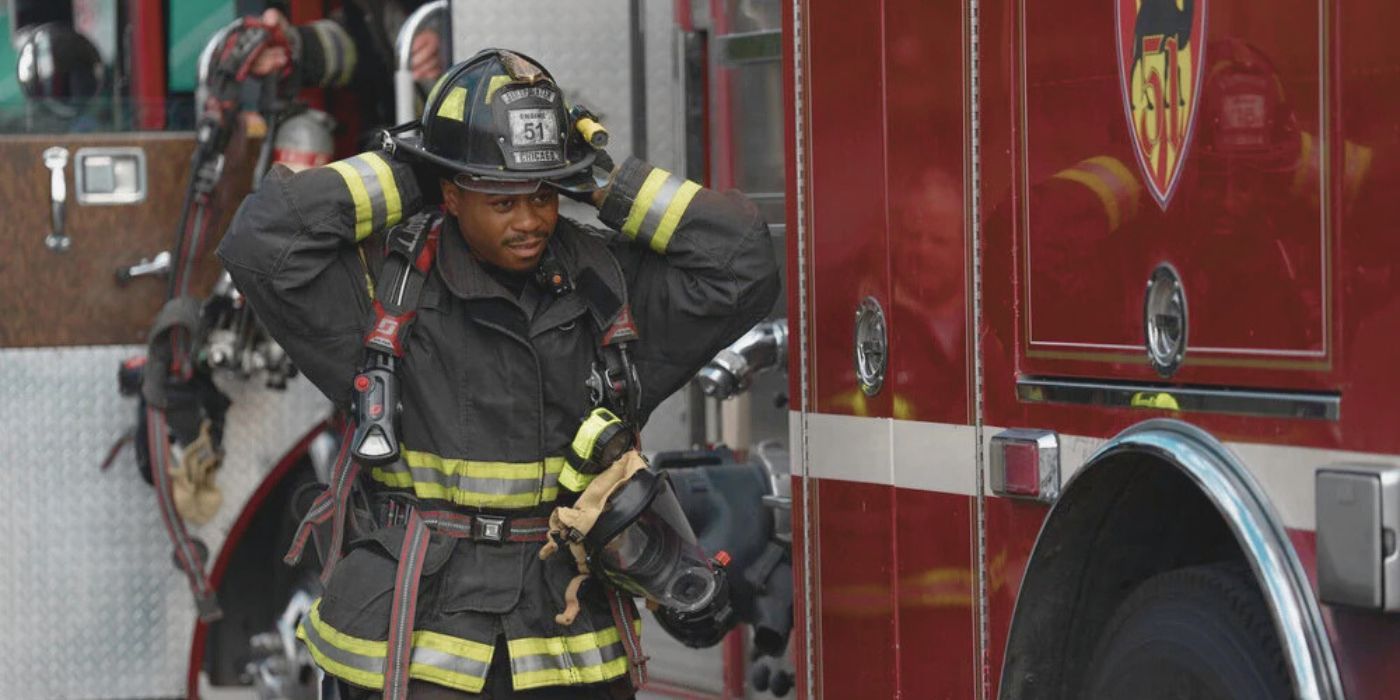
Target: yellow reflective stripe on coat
374, 191
575, 480
592, 657
1116, 187
656, 211
472, 482
439, 658
337, 51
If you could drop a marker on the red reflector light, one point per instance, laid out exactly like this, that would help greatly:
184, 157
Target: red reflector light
1022, 460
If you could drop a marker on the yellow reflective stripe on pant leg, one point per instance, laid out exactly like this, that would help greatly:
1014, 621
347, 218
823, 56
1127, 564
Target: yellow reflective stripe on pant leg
574, 480
672, 218
438, 658
642, 203
393, 205
364, 213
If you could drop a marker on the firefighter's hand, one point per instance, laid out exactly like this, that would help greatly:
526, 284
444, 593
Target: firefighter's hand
599, 195
604, 162
426, 59
273, 59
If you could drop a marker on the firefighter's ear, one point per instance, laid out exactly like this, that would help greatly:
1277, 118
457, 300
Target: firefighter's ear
451, 196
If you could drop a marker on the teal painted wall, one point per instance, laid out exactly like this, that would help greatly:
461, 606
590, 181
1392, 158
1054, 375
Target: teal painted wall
9, 80
192, 22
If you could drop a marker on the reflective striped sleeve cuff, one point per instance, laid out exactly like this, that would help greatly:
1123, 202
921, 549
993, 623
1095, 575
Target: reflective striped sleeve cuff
1112, 182
381, 192
328, 56
647, 203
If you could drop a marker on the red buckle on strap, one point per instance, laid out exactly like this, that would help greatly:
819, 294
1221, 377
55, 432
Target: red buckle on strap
389, 330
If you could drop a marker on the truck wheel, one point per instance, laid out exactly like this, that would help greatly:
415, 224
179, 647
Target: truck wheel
1197, 632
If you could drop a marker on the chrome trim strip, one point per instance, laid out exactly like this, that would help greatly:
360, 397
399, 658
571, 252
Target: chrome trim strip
1243, 402
973, 194
1257, 528
765, 46
799, 140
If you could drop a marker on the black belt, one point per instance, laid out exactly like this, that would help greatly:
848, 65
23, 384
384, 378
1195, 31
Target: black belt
479, 527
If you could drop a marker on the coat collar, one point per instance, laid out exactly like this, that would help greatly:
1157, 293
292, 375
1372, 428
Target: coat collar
576, 250
463, 275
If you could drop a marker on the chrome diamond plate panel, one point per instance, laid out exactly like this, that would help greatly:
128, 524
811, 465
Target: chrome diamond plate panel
90, 603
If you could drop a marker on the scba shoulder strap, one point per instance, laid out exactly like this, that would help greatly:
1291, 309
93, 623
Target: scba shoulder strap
371, 436
409, 253
614, 383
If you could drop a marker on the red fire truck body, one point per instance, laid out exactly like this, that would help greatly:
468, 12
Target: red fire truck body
998, 184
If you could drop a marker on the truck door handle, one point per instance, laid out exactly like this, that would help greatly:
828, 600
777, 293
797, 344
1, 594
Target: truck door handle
56, 160
156, 266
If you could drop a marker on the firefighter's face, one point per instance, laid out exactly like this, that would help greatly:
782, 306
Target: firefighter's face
505, 230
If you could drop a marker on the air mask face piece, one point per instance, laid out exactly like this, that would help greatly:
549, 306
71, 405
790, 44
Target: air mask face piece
643, 544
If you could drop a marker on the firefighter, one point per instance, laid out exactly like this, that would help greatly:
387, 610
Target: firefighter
510, 349
355, 48
1248, 195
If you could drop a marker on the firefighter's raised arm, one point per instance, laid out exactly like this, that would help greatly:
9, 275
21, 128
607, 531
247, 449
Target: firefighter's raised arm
293, 251
700, 268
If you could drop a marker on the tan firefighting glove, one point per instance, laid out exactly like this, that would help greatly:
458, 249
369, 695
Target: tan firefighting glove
197, 498
570, 524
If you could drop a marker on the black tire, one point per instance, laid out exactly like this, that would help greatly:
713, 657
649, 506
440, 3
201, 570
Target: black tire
1200, 632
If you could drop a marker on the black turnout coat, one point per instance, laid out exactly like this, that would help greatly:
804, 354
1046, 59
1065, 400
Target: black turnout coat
493, 390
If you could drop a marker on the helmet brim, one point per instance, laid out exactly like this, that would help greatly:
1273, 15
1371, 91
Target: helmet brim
405, 140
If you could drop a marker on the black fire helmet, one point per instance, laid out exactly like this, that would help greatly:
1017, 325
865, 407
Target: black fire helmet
497, 123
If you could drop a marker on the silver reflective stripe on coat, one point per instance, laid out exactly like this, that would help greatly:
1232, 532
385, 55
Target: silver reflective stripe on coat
473, 482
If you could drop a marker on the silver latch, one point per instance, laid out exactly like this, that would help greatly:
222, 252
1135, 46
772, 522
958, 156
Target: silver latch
110, 175
871, 352
1164, 320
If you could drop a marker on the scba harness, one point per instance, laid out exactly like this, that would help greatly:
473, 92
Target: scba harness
371, 438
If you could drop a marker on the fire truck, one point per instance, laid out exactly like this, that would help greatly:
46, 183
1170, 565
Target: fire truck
1093, 329
101, 141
